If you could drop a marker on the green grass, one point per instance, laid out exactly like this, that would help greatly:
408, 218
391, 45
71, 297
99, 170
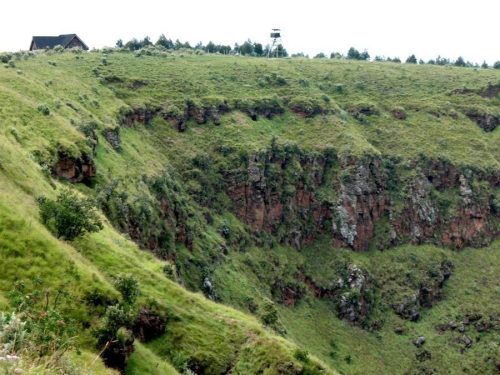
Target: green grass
199, 332
143, 361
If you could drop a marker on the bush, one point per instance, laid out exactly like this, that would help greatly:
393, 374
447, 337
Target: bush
70, 215
38, 326
496, 65
43, 109
269, 314
12, 333
128, 286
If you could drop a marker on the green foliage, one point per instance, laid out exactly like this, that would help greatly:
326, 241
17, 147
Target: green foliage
411, 59
70, 215
269, 313
354, 54
180, 215
39, 325
43, 109
12, 333
128, 286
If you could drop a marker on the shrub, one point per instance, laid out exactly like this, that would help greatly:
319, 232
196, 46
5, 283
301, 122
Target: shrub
128, 286
70, 215
12, 333
399, 112
269, 314
338, 87
5, 57
39, 326
496, 65
301, 355
169, 270
44, 109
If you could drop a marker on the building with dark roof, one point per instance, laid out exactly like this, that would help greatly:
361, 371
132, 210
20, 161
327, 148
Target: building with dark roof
67, 41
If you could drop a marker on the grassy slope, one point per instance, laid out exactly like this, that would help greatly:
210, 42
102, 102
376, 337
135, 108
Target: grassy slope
313, 323
197, 328
213, 332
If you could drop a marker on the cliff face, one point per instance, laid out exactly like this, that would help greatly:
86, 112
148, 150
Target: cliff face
363, 201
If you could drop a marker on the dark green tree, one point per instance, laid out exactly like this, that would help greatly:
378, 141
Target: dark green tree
411, 59
211, 47
246, 48
163, 41
496, 65
460, 61
364, 55
353, 54
258, 49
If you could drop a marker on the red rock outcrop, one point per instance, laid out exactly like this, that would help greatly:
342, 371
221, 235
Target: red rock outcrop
363, 202
74, 169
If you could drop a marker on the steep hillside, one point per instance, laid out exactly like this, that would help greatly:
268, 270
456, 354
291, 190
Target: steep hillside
348, 207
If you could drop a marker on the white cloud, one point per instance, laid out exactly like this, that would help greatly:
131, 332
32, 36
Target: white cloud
385, 27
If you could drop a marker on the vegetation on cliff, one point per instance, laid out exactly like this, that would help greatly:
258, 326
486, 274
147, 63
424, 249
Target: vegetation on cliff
323, 200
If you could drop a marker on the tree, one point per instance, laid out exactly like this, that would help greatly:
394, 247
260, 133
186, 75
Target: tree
119, 43
211, 47
460, 61
258, 49
163, 41
336, 55
133, 44
421, 62
146, 42
442, 61
484, 65
353, 54
281, 51
411, 59
364, 55
178, 44
225, 50
496, 65
70, 215
246, 48
320, 55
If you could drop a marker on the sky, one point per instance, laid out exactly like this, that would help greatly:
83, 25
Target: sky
426, 28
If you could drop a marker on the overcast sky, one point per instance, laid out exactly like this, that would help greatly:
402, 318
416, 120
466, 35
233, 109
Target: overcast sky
384, 27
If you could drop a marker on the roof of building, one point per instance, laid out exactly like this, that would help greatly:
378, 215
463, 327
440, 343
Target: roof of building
52, 41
